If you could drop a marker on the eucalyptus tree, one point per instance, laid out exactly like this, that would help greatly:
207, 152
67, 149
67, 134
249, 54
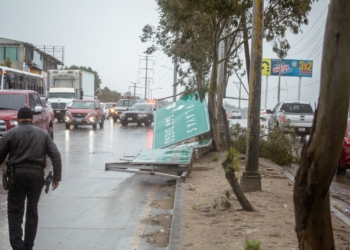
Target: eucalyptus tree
320, 155
203, 24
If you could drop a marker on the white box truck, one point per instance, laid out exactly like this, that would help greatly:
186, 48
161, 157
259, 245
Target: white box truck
66, 86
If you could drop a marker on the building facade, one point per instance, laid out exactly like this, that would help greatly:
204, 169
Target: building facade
27, 57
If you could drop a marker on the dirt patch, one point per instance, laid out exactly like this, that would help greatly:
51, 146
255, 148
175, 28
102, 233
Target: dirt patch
210, 226
166, 203
160, 237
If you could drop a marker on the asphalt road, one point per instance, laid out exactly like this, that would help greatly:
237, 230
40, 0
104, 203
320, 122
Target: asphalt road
92, 208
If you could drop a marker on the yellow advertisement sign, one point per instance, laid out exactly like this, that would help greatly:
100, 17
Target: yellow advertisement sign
266, 66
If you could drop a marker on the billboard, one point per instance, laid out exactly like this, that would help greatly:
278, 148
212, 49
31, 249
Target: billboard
287, 67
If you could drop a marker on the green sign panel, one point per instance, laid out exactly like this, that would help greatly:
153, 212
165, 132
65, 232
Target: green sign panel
165, 156
179, 121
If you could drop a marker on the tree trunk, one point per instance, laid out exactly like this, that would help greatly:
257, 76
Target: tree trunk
228, 138
212, 104
321, 153
246, 49
232, 180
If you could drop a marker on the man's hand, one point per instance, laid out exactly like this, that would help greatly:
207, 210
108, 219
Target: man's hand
55, 184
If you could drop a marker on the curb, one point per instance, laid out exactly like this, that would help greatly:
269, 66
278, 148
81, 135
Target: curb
175, 241
337, 213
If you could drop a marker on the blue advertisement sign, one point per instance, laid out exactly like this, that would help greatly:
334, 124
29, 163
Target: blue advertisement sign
291, 67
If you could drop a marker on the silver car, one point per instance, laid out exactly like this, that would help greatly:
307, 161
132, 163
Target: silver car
235, 113
263, 114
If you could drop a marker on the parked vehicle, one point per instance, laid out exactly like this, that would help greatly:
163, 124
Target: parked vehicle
12, 100
17, 79
84, 112
66, 86
138, 113
299, 115
110, 106
344, 159
105, 110
47, 107
263, 114
235, 113
122, 105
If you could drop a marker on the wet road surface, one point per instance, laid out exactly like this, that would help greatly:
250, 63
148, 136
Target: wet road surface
92, 208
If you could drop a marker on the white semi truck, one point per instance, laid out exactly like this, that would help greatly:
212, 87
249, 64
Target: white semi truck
66, 86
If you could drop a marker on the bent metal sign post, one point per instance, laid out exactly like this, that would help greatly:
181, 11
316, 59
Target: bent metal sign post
181, 120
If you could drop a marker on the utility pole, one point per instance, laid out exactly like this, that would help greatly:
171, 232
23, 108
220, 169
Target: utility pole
299, 86
146, 78
279, 81
266, 89
251, 178
134, 83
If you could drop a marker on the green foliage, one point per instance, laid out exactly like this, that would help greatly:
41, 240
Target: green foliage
232, 158
107, 95
239, 137
8, 62
281, 145
189, 31
224, 201
252, 245
98, 81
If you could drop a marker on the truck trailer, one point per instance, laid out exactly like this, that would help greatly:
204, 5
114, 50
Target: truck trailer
66, 86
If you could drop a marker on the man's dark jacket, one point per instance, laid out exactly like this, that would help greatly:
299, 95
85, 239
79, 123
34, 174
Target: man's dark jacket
27, 146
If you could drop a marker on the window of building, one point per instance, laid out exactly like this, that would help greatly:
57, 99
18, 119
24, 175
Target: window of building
11, 52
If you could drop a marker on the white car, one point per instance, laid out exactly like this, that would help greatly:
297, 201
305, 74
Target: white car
105, 110
235, 113
263, 114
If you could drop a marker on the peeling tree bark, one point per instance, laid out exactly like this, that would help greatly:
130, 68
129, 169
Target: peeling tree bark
320, 155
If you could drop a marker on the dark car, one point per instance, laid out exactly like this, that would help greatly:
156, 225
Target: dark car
138, 113
344, 159
84, 112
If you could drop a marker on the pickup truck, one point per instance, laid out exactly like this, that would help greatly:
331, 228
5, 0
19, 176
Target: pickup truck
299, 115
12, 100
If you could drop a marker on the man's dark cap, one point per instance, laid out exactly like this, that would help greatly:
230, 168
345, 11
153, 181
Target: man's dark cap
24, 113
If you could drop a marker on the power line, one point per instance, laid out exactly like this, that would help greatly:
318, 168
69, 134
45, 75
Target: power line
311, 40
316, 48
311, 26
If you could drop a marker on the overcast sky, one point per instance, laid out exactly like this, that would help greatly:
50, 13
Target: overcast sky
104, 35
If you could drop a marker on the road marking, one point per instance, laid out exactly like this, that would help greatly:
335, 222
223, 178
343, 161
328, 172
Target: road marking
139, 230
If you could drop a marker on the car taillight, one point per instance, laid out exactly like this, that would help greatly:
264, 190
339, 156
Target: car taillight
283, 119
264, 113
347, 142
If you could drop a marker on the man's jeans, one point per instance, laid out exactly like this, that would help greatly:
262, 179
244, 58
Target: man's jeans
26, 186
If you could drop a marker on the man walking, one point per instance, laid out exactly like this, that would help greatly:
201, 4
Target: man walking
27, 147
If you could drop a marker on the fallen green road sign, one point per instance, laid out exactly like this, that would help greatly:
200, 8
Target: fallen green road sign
181, 120
164, 156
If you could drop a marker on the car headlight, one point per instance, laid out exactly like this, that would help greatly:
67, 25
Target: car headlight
122, 115
68, 113
141, 115
91, 113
